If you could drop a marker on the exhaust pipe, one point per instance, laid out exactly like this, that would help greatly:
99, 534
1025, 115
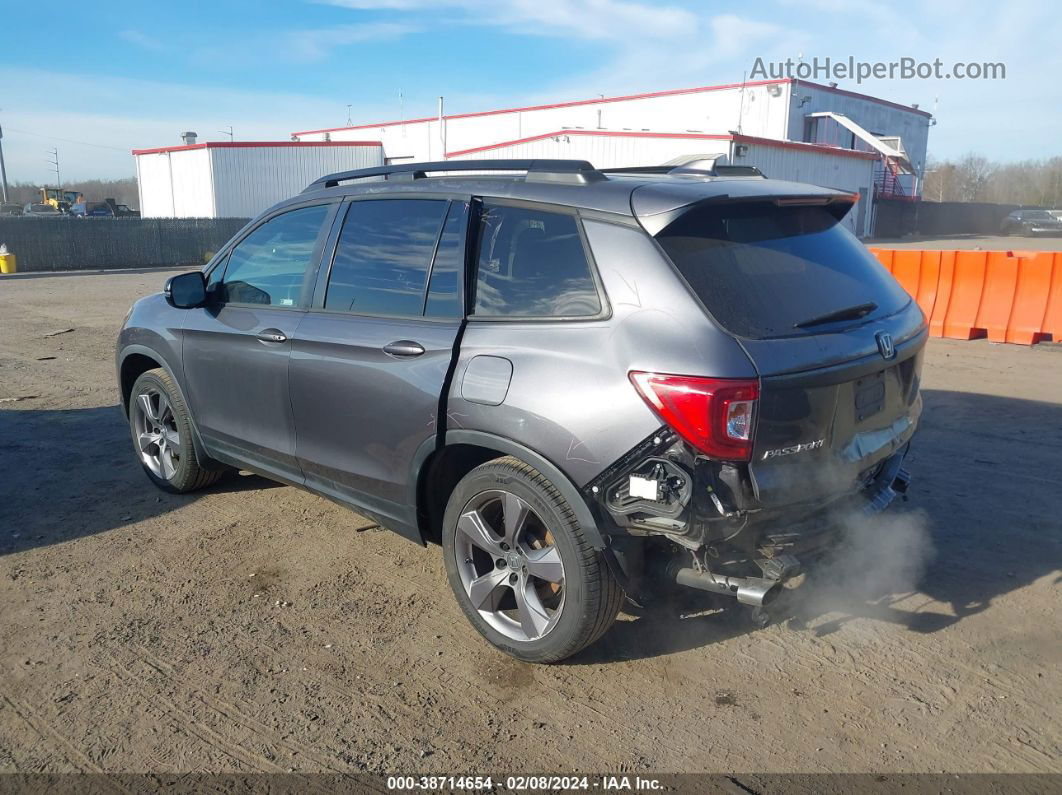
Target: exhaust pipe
755, 591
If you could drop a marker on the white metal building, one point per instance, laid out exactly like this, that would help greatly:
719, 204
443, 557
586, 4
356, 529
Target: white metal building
846, 170
240, 179
789, 129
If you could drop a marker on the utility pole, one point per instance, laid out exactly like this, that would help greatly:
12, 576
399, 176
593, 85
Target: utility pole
228, 132
55, 164
349, 122
3, 170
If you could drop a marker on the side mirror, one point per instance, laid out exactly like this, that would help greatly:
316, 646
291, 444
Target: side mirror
186, 290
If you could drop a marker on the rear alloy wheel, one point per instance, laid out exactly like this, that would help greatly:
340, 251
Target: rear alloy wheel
520, 566
162, 435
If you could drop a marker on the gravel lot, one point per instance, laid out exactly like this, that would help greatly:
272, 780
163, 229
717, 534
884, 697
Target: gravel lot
255, 627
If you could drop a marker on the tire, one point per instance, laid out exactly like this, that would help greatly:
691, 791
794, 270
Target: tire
533, 618
179, 472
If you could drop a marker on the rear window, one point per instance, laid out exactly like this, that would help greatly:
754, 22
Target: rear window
761, 269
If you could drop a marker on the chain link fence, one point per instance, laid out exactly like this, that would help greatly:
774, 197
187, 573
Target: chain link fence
63, 244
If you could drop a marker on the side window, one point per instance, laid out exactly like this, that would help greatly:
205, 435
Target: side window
269, 265
383, 254
444, 289
531, 263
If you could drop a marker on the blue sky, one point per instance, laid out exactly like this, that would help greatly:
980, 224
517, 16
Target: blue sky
108, 77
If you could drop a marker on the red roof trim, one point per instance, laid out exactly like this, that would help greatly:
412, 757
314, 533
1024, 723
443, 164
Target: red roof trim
650, 95
737, 138
596, 101
251, 145
867, 97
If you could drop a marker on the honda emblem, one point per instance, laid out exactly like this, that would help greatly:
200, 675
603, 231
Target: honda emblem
885, 346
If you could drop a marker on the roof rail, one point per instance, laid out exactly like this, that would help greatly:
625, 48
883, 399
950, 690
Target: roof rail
573, 172
691, 169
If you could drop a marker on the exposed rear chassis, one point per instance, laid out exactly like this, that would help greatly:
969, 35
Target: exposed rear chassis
745, 552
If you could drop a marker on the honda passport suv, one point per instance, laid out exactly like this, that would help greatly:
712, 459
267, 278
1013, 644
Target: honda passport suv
582, 384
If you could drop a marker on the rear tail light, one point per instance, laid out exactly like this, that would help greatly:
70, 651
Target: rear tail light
715, 415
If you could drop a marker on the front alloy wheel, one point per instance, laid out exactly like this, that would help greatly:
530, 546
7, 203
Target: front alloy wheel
162, 435
155, 430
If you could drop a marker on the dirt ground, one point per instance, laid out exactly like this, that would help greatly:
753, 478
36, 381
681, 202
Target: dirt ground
255, 627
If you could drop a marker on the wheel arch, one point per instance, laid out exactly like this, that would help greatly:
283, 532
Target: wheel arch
135, 360
438, 469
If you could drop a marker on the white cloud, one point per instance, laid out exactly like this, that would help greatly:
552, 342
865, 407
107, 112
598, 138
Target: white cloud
143, 40
103, 118
579, 19
314, 45
878, 12
655, 44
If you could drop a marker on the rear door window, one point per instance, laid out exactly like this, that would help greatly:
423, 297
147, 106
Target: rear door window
270, 265
382, 259
764, 270
532, 263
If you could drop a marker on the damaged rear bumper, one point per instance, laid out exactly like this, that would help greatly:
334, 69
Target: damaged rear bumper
707, 508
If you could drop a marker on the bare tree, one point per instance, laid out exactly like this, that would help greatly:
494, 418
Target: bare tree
975, 178
974, 173
123, 191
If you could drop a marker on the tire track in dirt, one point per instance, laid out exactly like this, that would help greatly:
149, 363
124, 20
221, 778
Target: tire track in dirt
232, 713
165, 709
47, 732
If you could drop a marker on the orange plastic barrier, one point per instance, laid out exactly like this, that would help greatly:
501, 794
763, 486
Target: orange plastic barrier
1008, 296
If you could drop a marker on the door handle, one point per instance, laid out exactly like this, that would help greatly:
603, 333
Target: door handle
272, 335
404, 349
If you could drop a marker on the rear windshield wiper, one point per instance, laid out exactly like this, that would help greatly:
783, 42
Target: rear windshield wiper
848, 313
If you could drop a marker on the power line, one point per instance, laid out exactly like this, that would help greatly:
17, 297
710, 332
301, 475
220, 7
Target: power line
67, 140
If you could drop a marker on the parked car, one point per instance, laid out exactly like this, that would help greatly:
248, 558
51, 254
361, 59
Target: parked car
94, 210
38, 210
1032, 222
10, 209
582, 384
104, 209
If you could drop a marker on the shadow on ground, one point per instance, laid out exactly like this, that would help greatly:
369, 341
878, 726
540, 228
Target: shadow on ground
72, 473
986, 499
987, 484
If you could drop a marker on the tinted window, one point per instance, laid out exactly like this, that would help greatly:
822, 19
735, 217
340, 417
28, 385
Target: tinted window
269, 265
444, 289
760, 269
382, 259
532, 263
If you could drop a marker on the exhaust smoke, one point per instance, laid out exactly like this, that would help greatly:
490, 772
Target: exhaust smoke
877, 560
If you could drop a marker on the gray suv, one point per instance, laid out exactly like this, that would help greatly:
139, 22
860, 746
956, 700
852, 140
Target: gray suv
583, 384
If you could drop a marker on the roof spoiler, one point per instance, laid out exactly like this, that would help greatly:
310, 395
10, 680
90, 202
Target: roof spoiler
568, 172
836, 203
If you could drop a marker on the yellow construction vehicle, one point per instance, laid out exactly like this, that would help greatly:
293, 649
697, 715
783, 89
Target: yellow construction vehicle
60, 199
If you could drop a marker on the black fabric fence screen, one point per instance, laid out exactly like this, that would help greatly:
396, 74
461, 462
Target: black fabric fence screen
900, 217
62, 244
